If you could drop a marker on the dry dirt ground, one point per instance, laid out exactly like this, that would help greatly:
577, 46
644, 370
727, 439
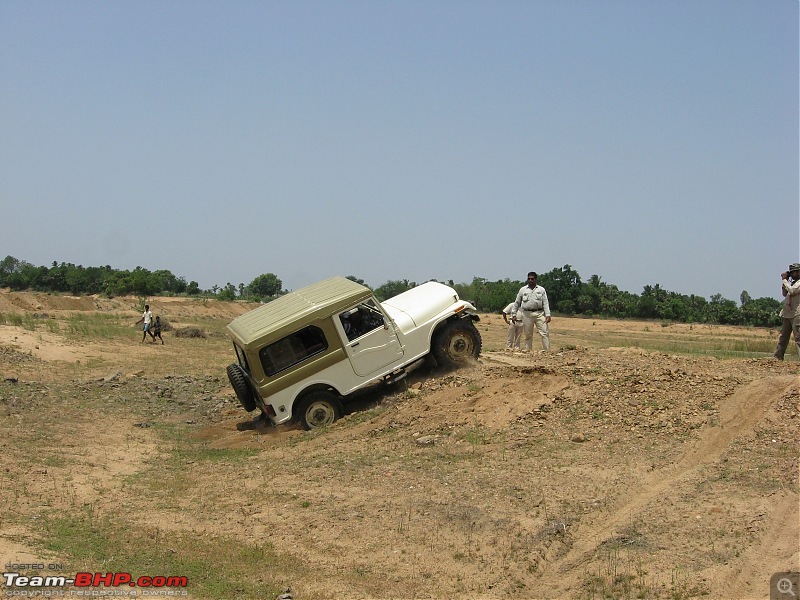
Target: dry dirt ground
593, 471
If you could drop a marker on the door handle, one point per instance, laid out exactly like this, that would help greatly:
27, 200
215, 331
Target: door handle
356, 344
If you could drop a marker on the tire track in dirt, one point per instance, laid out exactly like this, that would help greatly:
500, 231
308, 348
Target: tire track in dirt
738, 416
777, 551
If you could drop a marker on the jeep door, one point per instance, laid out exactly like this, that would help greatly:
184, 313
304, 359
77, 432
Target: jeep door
369, 338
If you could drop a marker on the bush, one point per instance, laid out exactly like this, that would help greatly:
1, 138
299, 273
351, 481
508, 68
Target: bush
190, 332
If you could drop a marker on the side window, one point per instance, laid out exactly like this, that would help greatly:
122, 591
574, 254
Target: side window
361, 319
292, 349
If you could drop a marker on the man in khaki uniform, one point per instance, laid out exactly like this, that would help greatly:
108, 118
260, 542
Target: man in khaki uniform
514, 328
533, 309
790, 313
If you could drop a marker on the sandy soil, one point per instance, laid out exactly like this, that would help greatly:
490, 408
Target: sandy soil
592, 471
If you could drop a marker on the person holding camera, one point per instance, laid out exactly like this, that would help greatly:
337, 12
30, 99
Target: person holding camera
790, 313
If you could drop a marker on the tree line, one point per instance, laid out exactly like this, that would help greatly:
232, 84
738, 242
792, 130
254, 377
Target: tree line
567, 292
78, 280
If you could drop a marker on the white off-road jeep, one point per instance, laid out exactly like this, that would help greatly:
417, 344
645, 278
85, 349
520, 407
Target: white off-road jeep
301, 355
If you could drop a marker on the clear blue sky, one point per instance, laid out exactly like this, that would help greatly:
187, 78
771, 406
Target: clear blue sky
643, 141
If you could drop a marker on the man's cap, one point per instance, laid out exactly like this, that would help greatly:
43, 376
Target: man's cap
794, 267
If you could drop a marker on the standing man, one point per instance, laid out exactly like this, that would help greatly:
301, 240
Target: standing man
514, 328
790, 313
532, 308
147, 319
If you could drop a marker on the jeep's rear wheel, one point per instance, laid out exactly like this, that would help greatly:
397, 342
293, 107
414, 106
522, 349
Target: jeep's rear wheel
241, 386
318, 409
456, 344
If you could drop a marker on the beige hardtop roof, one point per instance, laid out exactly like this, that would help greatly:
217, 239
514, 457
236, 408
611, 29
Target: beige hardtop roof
292, 311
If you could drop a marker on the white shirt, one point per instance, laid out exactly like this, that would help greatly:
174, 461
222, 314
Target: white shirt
532, 299
791, 305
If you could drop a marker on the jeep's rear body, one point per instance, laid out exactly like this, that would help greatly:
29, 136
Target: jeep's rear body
304, 340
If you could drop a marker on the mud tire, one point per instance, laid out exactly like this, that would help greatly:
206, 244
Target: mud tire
458, 343
318, 409
242, 387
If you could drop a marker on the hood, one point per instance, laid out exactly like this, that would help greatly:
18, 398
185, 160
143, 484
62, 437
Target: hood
423, 303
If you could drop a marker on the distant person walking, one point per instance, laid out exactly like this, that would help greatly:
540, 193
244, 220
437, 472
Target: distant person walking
147, 320
514, 328
533, 309
790, 313
157, 330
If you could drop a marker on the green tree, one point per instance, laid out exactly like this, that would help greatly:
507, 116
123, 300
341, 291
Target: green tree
562, 285
724, 311
227, 293
142, 283
489, 296
77, 281
618, 304
265, 286
54, 278
164, 281
762, 312
8, 266
744, 298
566, 307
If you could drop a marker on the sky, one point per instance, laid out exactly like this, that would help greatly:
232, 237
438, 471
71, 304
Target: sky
644, 141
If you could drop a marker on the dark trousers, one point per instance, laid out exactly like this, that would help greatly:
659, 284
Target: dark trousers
787, 327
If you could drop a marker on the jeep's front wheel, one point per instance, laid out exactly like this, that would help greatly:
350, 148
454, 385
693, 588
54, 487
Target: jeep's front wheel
456, 344
241, 386
318, 409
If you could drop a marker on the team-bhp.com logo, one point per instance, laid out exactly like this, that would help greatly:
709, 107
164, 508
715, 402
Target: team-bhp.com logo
37, 585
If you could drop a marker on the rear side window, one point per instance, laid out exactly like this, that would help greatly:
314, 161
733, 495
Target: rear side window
292, 349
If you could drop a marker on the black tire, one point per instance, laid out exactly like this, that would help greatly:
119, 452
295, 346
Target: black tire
242, 387
456, 344
318, 409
